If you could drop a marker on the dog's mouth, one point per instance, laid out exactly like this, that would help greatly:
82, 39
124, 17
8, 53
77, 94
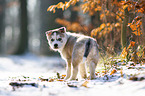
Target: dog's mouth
55, 47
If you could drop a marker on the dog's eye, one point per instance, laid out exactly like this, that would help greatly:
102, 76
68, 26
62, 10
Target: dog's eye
52, 40
59, 39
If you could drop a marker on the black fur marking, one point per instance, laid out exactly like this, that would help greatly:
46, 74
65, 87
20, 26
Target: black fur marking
87, 48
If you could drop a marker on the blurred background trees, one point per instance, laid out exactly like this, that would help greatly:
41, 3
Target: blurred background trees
23, 26
114, 23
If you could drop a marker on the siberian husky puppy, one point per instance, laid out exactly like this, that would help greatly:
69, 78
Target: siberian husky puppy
76, 50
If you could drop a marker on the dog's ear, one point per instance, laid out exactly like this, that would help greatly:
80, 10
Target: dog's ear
48, 33
62, 29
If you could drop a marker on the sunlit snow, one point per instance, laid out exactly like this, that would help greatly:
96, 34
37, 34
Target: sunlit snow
41, 66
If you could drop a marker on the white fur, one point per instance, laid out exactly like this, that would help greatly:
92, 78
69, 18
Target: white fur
84, 59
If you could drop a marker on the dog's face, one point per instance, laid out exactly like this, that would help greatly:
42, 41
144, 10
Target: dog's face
57, 38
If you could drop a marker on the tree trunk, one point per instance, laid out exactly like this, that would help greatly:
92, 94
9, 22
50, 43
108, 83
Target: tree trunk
143, 27
2, 11
124, 29
23, 42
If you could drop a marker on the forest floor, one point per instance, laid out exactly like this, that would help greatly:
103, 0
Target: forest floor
30, 75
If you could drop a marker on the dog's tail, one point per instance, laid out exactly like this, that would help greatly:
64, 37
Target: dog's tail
87, 49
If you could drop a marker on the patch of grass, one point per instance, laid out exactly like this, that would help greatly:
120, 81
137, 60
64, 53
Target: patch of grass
106, 63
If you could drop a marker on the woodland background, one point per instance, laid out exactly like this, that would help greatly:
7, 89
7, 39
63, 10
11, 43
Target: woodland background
116, 24
23, 24
29, 68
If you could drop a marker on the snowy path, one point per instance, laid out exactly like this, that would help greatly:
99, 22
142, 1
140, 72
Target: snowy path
13, 67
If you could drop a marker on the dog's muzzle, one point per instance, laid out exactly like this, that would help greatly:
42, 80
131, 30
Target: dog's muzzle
55, 46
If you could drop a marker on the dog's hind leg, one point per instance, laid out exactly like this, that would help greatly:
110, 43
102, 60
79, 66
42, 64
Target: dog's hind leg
92, 67
75, 63
83, 70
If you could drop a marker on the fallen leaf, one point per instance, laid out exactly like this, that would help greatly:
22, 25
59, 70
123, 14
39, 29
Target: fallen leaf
85, 84
72, 85
113, 71
51, 80
60, 80
121, 72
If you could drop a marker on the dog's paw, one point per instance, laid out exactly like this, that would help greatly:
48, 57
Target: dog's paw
93, 77
72, 79
69, 79
66, 78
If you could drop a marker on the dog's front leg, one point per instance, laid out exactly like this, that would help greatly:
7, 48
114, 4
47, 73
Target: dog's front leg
76, 59
74, 73
68, 69
75, 70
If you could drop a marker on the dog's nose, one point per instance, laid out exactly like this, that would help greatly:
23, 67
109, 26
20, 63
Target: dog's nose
56, 45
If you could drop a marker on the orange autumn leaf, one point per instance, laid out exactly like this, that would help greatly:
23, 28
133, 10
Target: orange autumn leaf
94, 32
60, 5
104, 32
113, 71
138, 23
117, 25
67, 5
51, 80
129, 46
141, 10
121, 72
133, 27
127, 2
104, 71
137, 33
102, 16
73, 2
102, 26
85, 10
92, 4
129, 8
108, 24
129, 24
138, 18
132, 43
51, 8
99, 8
85, 84
100, 35
60, 80
124, 53
63, 75
125, 6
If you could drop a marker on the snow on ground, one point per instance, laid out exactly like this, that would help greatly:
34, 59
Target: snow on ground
33, 67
